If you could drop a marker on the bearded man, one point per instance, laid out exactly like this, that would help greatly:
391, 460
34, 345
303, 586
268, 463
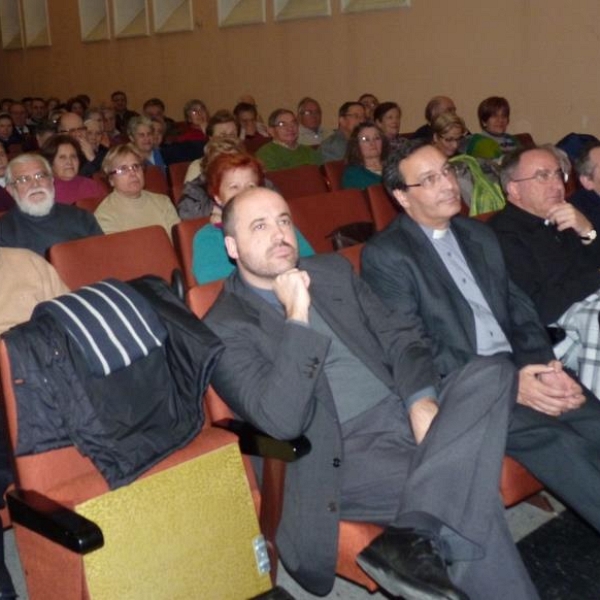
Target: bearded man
37, 222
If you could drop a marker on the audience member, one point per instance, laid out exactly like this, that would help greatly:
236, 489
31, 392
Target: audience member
96, 137
141, 136
366, 153
493, 141
195, 200
27, 279
310, 117
247, 119
221, 125
587, 199
77, 105
284, 152
154, 108
64, 155
446, 273
19, 115
196, 118
370, 103
6, 200
37, 222
437, 106
448, 132
387, 117
72, 124
552, 253
39, 113
359, 383
350, 114
51, 103
8, 134
226, 176
43, 132
129, 205
122, 113
5, 104
109, 118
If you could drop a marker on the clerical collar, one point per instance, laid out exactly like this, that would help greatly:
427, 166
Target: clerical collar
434, 234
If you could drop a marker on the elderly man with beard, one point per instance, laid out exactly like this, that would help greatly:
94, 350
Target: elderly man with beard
37, 222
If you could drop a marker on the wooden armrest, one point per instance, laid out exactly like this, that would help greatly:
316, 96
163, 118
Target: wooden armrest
54, 521
256, 443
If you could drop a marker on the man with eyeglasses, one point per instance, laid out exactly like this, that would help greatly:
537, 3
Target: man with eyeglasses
284, 152
350, 114
72, 124
37, 222
552, 253
310, 350
310, 118
447, 272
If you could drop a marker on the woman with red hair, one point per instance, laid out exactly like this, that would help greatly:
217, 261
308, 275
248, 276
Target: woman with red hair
226, 176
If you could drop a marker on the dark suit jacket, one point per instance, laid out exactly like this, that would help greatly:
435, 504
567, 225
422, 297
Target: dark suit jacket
404, 269
271, 374
553, 267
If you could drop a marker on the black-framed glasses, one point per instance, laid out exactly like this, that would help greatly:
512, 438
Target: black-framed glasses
433, 179
544, 176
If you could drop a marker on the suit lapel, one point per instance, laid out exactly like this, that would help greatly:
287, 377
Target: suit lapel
433, 268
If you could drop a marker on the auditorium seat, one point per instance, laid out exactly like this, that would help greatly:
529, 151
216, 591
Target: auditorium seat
299, 181
317, 216
333, 172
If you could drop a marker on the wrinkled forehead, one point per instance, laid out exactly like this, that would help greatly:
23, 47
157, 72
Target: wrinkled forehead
423, 160
535, 160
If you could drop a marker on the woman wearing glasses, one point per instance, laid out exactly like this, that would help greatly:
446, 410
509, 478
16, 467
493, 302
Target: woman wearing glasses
129, 205
196, 119
449, 132
365, 154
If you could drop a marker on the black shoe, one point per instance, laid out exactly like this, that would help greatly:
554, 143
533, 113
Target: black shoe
408, 563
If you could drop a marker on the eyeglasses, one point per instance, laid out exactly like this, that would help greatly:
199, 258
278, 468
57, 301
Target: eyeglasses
289, 124
307, 112
134, 168
73, 130
544, 176
433, 179
366, 140
197, 111
354, 116
40, 177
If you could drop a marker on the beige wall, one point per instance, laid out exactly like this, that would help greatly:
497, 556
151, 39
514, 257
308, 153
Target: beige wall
541, 54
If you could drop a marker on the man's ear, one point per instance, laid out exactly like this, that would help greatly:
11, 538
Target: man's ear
586, 182
401, 198
512, 190
231, 247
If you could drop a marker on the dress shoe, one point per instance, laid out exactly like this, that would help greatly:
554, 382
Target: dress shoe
409, 563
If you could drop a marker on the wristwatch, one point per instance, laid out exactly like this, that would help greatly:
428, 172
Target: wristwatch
590, 236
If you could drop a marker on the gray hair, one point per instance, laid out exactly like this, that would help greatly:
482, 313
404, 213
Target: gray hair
23, 159
135, 122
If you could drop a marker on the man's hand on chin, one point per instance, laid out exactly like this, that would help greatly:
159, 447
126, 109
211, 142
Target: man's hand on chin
291, 289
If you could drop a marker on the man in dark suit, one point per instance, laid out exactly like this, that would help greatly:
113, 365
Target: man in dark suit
311, 351
448, 273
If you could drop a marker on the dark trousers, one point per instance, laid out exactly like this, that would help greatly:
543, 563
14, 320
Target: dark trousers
453, 476
563, 453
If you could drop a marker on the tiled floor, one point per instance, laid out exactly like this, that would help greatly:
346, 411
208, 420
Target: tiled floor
522, 519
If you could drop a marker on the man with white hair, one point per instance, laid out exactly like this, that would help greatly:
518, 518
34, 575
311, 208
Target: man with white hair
37, 222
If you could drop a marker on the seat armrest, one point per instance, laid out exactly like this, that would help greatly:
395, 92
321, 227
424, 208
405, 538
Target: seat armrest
54, 521
256, 443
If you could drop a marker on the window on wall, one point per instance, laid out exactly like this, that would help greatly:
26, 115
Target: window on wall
364, 5
93, 19
35, 21
300, 9
130, 18
241, 12
172, 15
10, 24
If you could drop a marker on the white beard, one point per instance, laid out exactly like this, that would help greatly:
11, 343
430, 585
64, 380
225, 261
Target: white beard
36, 209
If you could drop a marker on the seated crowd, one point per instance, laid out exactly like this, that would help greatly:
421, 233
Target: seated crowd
411, 379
